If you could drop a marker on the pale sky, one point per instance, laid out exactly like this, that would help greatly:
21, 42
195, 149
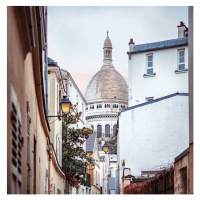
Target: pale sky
76, 35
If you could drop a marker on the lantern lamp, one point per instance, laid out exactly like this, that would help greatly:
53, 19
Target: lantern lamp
105, 147
93, 165
65, 104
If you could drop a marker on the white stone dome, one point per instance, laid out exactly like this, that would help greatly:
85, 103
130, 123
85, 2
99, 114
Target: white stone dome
107, 85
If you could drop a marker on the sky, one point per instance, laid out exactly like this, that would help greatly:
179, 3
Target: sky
76, 35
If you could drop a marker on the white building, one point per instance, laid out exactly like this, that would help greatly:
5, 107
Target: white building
104, 166
93, 152
55, 91
158, 69
158, 132
106, 95
75, 96
153, 130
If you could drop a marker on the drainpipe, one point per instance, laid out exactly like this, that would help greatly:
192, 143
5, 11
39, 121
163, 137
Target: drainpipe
46, 61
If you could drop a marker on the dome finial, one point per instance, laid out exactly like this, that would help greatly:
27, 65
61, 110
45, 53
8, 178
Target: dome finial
107, 33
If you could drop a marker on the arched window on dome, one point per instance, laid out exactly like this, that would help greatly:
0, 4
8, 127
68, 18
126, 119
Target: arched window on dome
114, 130
99, 131
91, 107
99, 106
109, 105
105, 105
107, 130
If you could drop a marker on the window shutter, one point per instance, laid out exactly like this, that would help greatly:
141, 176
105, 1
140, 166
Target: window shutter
28, 151
16, 145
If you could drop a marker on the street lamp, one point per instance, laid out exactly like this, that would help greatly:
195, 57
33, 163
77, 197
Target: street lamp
65, 104
105, 147
93, 166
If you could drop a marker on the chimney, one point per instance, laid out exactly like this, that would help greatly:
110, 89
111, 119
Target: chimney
131, 45
181, 30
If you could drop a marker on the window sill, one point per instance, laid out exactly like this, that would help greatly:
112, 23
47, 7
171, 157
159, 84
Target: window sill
149, 75
181, 71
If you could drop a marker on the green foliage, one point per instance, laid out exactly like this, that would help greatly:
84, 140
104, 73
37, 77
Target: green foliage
75, 160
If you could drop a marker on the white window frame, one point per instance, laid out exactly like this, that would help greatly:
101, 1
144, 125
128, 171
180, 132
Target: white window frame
147, 60
178, 62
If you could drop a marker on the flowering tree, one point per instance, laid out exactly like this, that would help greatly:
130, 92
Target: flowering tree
75, 160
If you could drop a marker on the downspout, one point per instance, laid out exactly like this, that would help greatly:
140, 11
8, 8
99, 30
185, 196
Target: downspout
46, 71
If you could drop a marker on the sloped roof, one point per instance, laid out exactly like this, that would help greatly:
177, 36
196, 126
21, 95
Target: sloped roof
160, 45
52, 62
90, 143
154, 101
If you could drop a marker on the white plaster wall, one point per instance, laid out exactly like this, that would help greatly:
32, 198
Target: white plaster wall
166, 80
75, 97
153, 135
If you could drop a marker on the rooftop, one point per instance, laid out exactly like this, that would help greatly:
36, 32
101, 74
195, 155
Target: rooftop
160, 45
51, 62
154, 101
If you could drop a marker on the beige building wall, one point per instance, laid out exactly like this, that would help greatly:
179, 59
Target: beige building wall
95, 190
57, 180
181, 175
54, 109
22, 91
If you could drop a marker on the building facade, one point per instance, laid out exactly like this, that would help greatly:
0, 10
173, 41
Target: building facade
156, 123
106, 95
76, 97
56, 89
34, 156
158, 69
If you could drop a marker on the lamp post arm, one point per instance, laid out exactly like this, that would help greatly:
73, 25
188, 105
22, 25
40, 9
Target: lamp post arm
55, 116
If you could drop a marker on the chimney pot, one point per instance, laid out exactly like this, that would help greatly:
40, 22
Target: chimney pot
181, 23
131, 40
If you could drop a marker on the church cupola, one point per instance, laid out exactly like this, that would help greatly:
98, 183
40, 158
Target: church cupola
107, 50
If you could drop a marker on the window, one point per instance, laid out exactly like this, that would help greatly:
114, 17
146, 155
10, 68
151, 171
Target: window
91, 107
148, 99
114, 129
115, 105
99, 131
123, 106
107, 130
181, 59
92, 127
107, 105
150, 64
99, 106
107, 54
